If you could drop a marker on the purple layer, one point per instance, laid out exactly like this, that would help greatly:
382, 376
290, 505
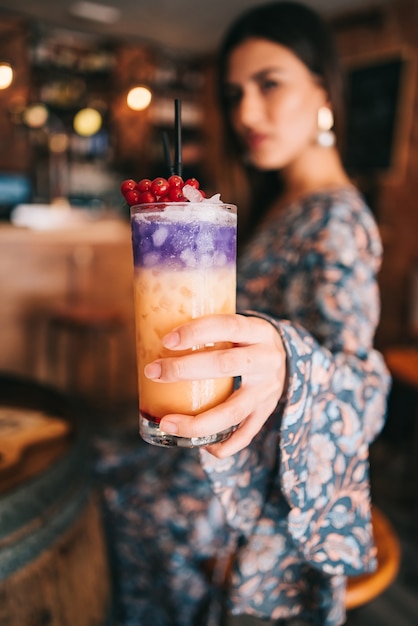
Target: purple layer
182, 244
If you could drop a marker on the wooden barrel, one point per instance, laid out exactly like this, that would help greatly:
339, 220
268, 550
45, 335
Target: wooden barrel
54, 567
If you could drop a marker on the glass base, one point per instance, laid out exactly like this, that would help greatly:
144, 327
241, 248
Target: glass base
151, 433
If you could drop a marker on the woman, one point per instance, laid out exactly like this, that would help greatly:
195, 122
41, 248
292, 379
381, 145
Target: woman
293, 477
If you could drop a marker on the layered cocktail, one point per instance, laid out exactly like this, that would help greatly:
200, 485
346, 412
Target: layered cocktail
185, 267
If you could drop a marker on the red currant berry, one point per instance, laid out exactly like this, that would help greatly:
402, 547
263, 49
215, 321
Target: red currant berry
144, 184
176, 194
193, 182
165, 199
127, 185
175, 181
202, 193
147, 197
132, 196
160, 186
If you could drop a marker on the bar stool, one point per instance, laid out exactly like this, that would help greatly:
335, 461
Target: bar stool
82, 348
83, 335
366, 587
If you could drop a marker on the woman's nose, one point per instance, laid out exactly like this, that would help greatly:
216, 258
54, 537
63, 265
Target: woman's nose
249, 110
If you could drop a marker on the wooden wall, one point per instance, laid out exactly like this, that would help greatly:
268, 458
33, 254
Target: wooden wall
15, 153
370, 35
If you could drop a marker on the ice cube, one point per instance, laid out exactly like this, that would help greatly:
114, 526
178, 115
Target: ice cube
206, 260
192, 194
216, 199
188, 257
159, 236
220, 259
151, 259
204, 242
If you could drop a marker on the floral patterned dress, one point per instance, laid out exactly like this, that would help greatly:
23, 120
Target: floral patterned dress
295, 504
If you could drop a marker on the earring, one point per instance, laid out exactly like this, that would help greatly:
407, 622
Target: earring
325, 136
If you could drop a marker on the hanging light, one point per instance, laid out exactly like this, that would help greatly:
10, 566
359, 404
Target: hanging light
36, 115
6, 75
139, 98
87, 122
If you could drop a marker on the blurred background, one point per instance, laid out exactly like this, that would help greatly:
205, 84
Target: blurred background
69, 134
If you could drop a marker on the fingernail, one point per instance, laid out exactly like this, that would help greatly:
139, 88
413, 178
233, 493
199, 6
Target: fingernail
153, 370
169, 427
172, 340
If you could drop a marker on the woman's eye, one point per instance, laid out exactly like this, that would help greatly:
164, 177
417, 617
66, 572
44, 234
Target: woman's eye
269, 85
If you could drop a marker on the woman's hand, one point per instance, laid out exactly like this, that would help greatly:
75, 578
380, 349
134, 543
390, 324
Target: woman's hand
257, 355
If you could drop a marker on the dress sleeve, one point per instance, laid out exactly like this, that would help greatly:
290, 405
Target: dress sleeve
335, 405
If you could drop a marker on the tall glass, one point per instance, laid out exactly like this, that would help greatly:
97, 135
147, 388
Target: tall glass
185, 267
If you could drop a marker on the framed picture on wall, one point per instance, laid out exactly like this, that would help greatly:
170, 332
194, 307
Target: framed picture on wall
379, 113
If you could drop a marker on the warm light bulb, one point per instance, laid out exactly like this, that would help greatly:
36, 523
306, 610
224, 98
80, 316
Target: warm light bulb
35, 116
58, 143
139, 98
6, 75
87, 122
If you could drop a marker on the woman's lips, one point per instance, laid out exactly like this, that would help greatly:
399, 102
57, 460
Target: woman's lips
254, 140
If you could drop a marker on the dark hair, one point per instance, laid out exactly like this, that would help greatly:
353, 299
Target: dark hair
306, 34
302, 31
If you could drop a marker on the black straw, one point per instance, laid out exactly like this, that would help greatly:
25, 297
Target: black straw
177, 138
167, 154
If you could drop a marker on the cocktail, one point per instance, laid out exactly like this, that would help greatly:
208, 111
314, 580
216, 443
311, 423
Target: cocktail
184, 249
185, 267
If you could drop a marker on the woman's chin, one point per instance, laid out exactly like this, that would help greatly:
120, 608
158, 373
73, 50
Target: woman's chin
264, 164
263, 160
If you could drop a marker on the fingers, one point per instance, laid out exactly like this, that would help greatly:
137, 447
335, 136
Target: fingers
242, 409
241, 437
238, 361
235, 328
214, 420
256, 354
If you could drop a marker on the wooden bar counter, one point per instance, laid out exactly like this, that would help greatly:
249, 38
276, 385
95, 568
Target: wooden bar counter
89, 263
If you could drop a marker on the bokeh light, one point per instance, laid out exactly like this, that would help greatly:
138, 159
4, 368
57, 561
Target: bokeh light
139, 98
87, 122
58, 143
6, 75
35, 116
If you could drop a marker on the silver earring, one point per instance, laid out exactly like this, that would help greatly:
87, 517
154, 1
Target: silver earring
325, 119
